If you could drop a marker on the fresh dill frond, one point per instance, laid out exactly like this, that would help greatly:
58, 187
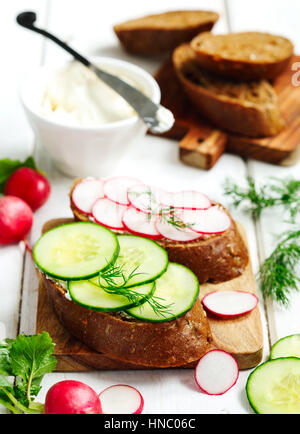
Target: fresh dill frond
168, 214
284, 192
113, 285
279, 274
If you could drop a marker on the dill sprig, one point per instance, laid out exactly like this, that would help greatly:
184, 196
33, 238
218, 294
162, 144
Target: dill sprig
279, 273
111, 278
284, 192
169, 214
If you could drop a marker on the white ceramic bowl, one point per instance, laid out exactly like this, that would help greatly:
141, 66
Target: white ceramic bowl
80, 150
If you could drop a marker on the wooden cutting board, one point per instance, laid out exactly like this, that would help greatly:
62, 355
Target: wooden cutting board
200, 144
242, 337
282, 149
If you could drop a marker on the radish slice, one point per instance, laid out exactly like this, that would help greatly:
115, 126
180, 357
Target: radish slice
216, 372
121, 399
86, 193
116, 188
139, 223
230, 303
211, 221
186, 200
108, 213
144, 198
174, 233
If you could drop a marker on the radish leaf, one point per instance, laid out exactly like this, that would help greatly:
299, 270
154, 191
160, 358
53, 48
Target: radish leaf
8, 167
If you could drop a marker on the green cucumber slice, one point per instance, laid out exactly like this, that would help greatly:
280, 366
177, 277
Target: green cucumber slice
286, 347
274, 387
76, 250
89, 294
143, 258
177, 289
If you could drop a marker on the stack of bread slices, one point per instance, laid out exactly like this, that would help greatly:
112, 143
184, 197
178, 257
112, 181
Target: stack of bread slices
226, 77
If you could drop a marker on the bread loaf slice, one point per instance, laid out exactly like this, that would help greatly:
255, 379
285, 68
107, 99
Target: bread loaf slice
246, 108
120, 337
243, 56
161, 33
213, 258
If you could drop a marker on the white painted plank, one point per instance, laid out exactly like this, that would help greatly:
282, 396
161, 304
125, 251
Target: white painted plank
274, 16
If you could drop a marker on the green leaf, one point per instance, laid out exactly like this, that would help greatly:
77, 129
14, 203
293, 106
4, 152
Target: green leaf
30, 359
5, 384
5, 347
8, 167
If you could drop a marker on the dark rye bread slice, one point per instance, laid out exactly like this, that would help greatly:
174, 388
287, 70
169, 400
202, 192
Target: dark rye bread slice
161, 33
246, 108
243, 56
119, 337
213, 258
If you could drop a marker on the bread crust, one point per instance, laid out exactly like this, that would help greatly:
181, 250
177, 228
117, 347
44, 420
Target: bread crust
155, 34
157, 345
214, 258
249, 117
239, 67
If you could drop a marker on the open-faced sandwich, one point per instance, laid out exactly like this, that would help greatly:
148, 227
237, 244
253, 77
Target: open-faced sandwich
124, 277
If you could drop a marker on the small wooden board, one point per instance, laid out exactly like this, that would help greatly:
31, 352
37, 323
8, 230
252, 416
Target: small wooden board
282, 149
200, 144
242, 337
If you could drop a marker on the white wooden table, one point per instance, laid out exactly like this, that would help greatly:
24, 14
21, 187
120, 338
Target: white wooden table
87, 25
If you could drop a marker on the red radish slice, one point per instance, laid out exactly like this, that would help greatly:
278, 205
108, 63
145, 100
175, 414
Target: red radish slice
116, 188
230, 303
86, 193
121, 399
174, 233
186, 200
108, 213
210, 221
139, 223
144, 198
216, 372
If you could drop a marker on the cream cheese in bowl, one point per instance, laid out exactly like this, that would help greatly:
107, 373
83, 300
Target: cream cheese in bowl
75, 95
85, 126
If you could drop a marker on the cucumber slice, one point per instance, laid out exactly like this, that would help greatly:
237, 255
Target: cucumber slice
177, 289
274, 387
286, 347
76, 250
139, 257
89, 294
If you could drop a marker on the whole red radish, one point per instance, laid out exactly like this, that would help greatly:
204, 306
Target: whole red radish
16, 219
29, 185
72, 397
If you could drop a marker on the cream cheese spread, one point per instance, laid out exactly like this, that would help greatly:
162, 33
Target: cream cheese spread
74, 95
